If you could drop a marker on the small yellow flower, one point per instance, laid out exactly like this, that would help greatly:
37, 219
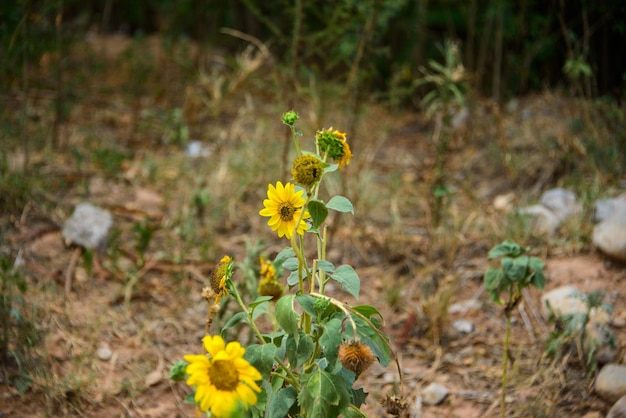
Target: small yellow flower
356, 356
224, 381
283, 206
223, 271
267, 270
333, 144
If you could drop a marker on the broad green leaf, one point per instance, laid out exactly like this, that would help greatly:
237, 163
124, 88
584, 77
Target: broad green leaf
493, 278
348, 279
509, 248
286, 253
292, 279
258, 301
353, 412
370, 312
515, 268
318, 212
299, 349
261, 356
330, 340
308, 304
358, 396
286, 316
330, 168
279, 403
340, 204
291, 264
234, 320
326, 266
323, 394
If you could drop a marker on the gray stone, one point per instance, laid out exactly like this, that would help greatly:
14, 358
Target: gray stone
104, 353
611, 382
434, 394
609, 236
619, 409
88, 227
567, 300
561, 202
463, 326
543, 220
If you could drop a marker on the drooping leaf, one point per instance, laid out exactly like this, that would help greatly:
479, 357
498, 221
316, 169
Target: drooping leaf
340, 204
318, 212
234, 320
330, 340
286, 253
299, 349
291, 264
348, 279
286, 315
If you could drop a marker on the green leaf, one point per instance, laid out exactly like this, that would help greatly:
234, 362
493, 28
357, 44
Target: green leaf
291, 264
538, 280
280, 403
326, 266
293, 279
299, 349
308, 304
330, 340
323, 394
286, 316
258, 301
358, 396
508, 247
286, 253
329, 168
177, 371
340, 204
493, 278
234, 320
515, 268
371, 313
349, 279
318, 212
261, 356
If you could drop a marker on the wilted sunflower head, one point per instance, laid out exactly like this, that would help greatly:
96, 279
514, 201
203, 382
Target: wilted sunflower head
271, 287
223, 271
307, 170
333, 144
356, 356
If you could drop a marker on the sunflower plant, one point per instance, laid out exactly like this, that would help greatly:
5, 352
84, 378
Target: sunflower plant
306, 360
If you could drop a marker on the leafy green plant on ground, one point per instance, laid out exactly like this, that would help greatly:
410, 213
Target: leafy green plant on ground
572, 331
517, 271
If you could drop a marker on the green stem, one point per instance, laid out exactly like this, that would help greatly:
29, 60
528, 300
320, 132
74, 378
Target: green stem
247, 311
505, 364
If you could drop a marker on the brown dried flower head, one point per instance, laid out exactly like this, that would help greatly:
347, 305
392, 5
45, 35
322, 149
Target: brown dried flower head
356, 356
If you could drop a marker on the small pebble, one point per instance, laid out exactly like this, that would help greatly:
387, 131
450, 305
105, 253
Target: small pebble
104, 353
434, 394
463, 326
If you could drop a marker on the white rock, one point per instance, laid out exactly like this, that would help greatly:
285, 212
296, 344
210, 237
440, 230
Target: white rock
104, 353
611, 382
434, 394
88, 226
619, 409
561, 202
463, 326
609, 236
543, 220
504, 202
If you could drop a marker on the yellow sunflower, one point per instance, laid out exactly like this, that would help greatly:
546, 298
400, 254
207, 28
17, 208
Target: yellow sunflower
283, 206
223, 379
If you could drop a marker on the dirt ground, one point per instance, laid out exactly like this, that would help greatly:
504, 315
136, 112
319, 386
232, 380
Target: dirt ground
80, 302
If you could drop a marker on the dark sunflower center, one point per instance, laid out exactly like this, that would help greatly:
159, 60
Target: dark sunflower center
286, 212
224, 375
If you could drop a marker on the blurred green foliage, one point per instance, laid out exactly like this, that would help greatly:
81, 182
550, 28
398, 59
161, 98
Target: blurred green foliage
322, 37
